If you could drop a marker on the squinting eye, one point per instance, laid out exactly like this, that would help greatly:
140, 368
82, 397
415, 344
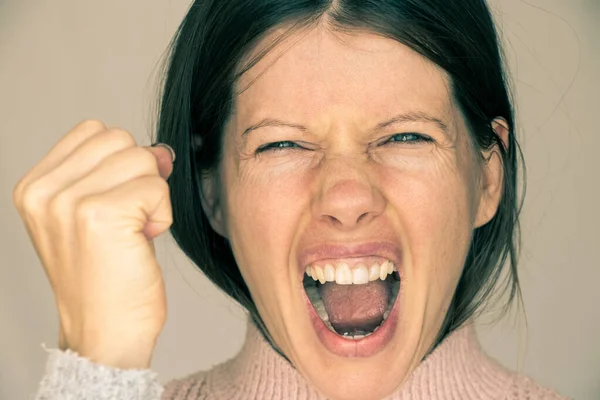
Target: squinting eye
412, 138
278, 146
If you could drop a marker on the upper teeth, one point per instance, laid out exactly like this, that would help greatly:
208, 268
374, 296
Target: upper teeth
342, 274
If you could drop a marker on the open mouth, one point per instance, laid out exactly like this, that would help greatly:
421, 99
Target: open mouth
353, 302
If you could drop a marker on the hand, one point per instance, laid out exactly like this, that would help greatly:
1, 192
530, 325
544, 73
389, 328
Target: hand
92, 207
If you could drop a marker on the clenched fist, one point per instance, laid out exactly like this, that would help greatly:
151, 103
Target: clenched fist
92, 207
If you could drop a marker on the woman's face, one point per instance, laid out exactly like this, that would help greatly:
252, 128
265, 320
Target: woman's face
358, 156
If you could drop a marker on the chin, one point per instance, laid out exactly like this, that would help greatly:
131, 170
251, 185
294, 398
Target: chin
351, 337
372, 371
370, 368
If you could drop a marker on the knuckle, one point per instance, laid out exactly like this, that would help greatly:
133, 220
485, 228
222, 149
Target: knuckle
158, 183
33, 198
146, 159
17, 194
61, 205
91, 124
120, 138
164, 186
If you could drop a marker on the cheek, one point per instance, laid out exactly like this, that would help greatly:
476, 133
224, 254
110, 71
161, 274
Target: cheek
264, 208
432, 199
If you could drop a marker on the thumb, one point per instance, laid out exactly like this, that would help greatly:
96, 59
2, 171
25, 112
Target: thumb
165, 156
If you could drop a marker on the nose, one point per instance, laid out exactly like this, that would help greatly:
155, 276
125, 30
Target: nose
347, 197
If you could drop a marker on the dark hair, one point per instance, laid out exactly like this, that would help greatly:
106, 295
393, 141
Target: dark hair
205, 62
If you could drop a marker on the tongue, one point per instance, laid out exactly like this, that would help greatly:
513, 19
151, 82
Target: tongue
355, 308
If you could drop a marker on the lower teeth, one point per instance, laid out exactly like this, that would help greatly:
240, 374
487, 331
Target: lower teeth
347, 335
313, 294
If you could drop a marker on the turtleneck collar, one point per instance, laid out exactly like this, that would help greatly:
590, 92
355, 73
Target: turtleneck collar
456, 369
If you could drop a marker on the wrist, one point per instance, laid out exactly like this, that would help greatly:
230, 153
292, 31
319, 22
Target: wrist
120, 352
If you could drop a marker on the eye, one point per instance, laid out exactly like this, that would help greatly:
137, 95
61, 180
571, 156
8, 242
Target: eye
279, 146
410, 138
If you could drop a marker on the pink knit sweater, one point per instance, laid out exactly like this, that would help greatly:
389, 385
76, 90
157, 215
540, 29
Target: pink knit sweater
456, 370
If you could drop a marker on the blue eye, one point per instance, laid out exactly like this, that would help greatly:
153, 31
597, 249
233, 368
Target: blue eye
409, 138
412, 138
278, 146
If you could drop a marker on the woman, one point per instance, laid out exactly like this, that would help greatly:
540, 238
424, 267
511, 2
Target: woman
346, 170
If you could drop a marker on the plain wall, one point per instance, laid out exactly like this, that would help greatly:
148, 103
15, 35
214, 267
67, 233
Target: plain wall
62, 61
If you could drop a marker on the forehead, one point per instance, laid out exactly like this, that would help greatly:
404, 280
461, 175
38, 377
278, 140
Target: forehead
319, 73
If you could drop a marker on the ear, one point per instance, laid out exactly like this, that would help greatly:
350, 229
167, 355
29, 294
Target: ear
211, 203
492, 179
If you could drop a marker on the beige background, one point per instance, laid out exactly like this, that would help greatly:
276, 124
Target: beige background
65, 60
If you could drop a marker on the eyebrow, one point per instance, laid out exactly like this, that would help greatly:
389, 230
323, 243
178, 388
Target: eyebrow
418, 116
273, 122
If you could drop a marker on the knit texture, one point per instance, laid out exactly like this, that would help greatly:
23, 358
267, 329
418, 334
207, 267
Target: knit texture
71, 377
457, 369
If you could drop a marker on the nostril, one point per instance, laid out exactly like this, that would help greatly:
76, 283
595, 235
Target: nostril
342, 221
363, 216
333, 220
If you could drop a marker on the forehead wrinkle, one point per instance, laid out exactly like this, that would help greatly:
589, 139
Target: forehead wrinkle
410, 115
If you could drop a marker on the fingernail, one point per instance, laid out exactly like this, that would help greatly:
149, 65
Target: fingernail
168, 148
